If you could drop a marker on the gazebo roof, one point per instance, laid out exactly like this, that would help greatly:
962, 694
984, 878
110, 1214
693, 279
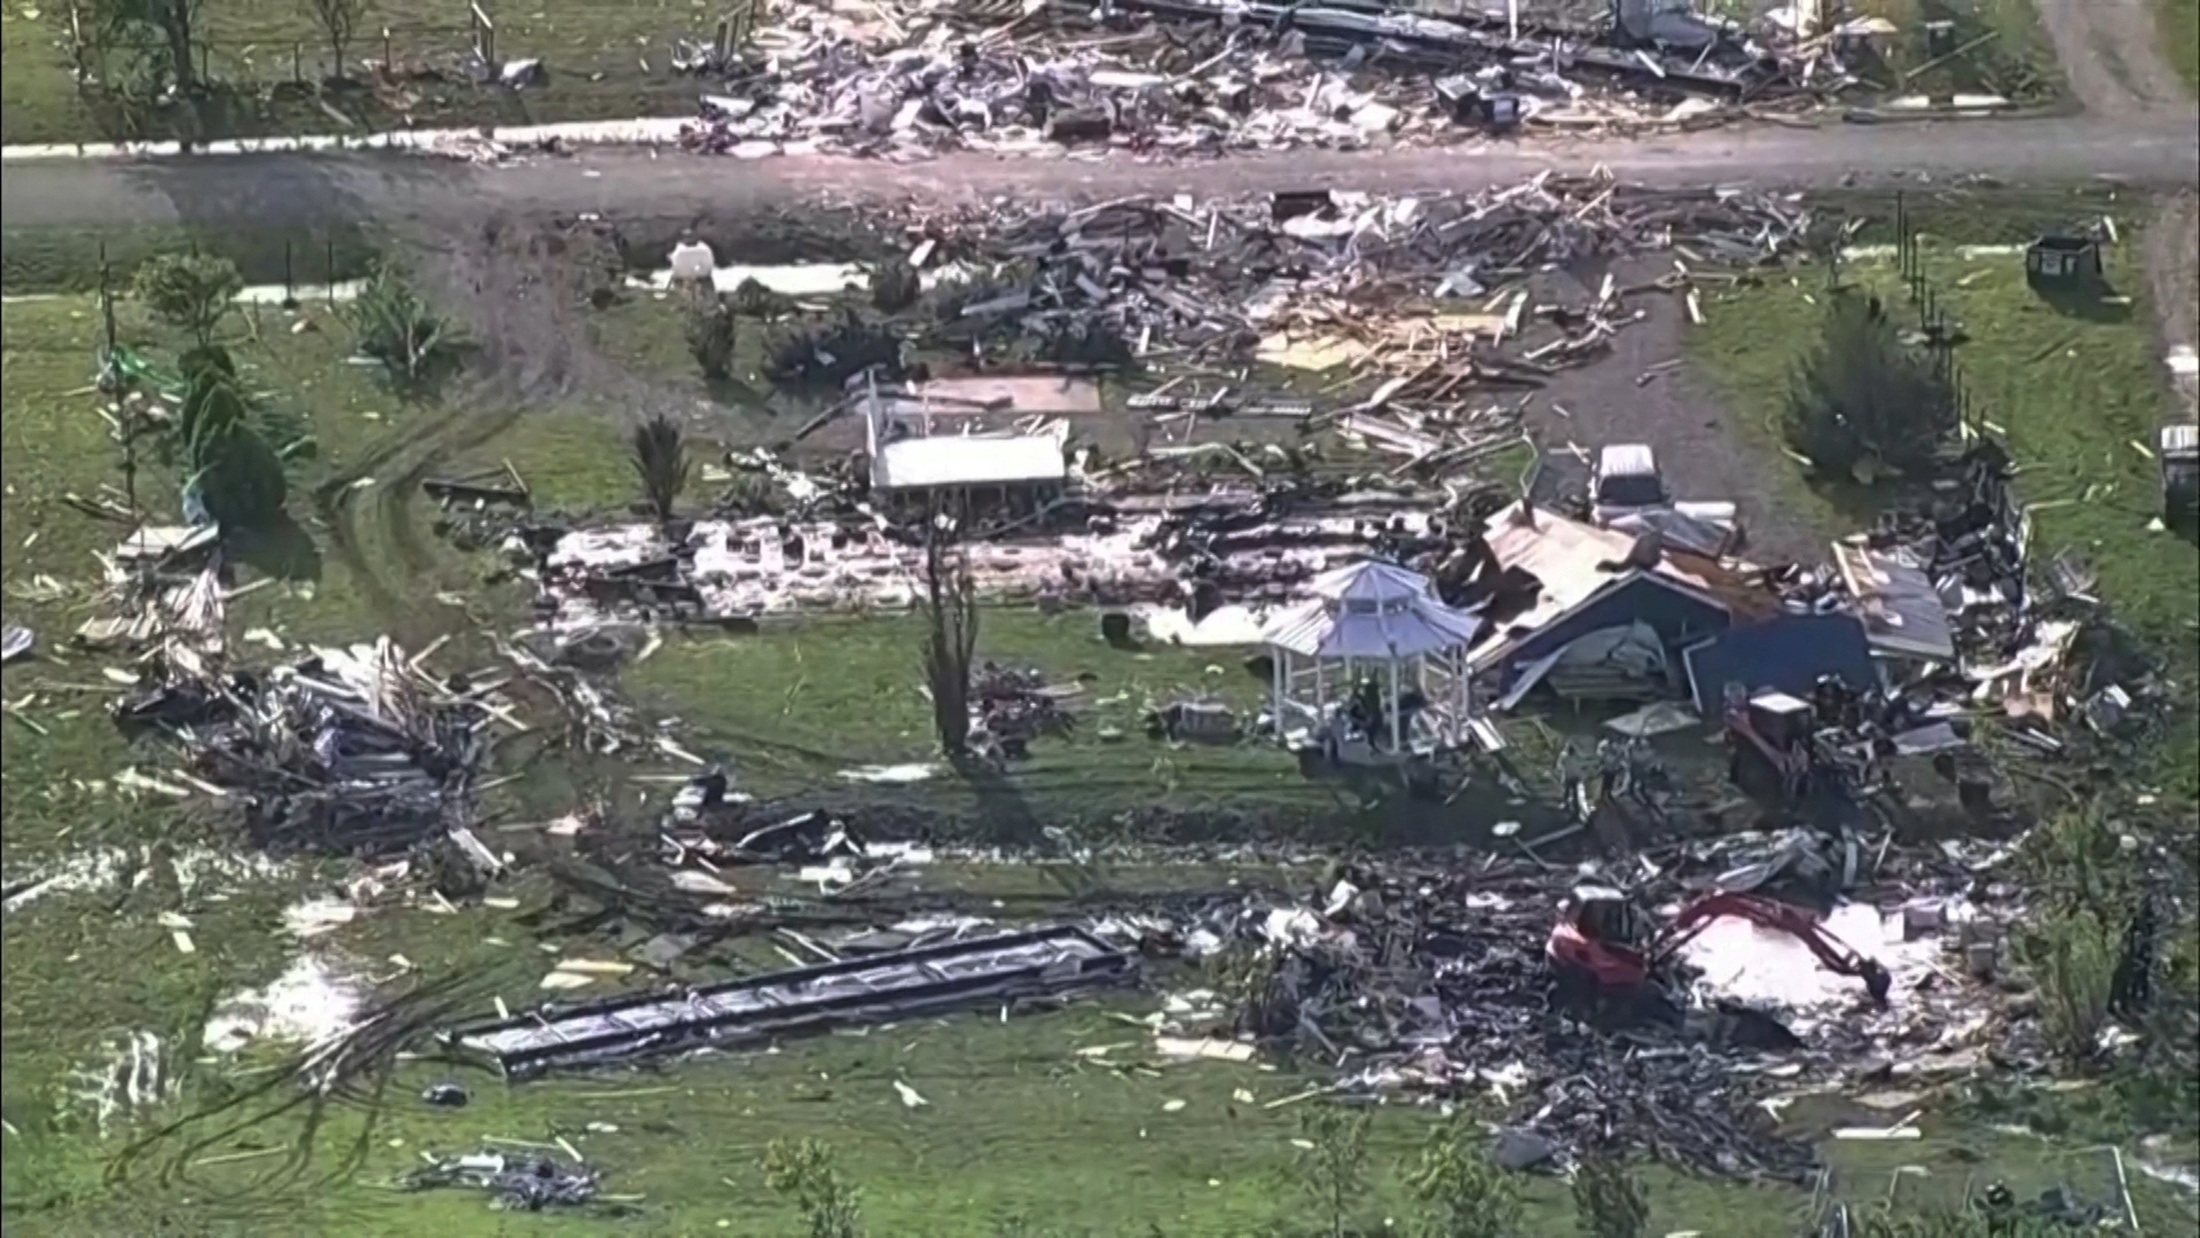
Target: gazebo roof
1369, 580
1370, 610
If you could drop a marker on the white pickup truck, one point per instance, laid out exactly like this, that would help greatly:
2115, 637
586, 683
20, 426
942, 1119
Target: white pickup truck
1627, 493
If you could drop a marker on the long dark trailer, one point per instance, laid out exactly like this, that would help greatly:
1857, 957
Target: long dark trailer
905, 984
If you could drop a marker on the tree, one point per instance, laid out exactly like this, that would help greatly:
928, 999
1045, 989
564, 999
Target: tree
710, 334
1462, 1195
166, 31
1864, 399
193, 292
802, 1171
1331, 1164
338, 20
1608, 1203
2072, 955
660, 460
229, 470
395, 326
951, 641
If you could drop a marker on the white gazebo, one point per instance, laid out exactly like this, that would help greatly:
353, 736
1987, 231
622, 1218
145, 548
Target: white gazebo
1349, 660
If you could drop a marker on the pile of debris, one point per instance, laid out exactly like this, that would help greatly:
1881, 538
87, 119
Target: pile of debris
1011, 707
355, 751
1434, 981
1429, 317
1945, 591
1184, 77
523, 1182
163, 585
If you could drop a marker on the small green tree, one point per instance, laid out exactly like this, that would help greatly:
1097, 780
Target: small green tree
1864, 399
2076, 859
2072, 956
710, 334
1461, 1194
803, 1171
660, 461
1608, 1202
397, 327
229, 467
1331, 1164
192, 292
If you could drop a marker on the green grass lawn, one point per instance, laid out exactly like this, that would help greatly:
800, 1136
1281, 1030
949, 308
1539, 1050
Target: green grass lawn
2078, 396
795, 706
1017, 1120
2004, 50
2179, 24
605, 59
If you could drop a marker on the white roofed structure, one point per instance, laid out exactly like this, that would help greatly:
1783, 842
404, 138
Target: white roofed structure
1373, 658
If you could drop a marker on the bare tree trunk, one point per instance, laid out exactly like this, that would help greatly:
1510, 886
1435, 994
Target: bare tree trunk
951, 607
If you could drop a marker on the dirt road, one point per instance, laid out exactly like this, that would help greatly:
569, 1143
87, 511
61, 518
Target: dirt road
2110, 52
316, 191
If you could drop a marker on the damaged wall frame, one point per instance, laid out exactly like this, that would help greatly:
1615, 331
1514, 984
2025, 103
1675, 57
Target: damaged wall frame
1007, 967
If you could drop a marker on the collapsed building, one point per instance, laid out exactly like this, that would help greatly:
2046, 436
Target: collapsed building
1188, 77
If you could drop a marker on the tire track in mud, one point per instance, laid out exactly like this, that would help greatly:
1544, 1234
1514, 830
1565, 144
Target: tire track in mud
517, 289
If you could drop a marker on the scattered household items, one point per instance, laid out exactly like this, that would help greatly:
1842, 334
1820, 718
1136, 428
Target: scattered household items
527, 1182
356, 751
445, 1095
1171, 293
1197, 77
1432, 978
1001, 968
163, 585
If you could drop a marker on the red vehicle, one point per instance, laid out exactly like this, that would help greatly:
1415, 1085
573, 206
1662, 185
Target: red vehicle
1605, 955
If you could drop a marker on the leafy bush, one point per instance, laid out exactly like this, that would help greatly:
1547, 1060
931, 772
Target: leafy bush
395, 326
192, 292
1865, 400
1331, 1165
1608, 1203
1462, 1195
802, 1171
2072, 957
710, 334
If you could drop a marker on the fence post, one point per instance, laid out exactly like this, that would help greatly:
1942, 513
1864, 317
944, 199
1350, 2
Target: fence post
290, 282
389, 65
332, 272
